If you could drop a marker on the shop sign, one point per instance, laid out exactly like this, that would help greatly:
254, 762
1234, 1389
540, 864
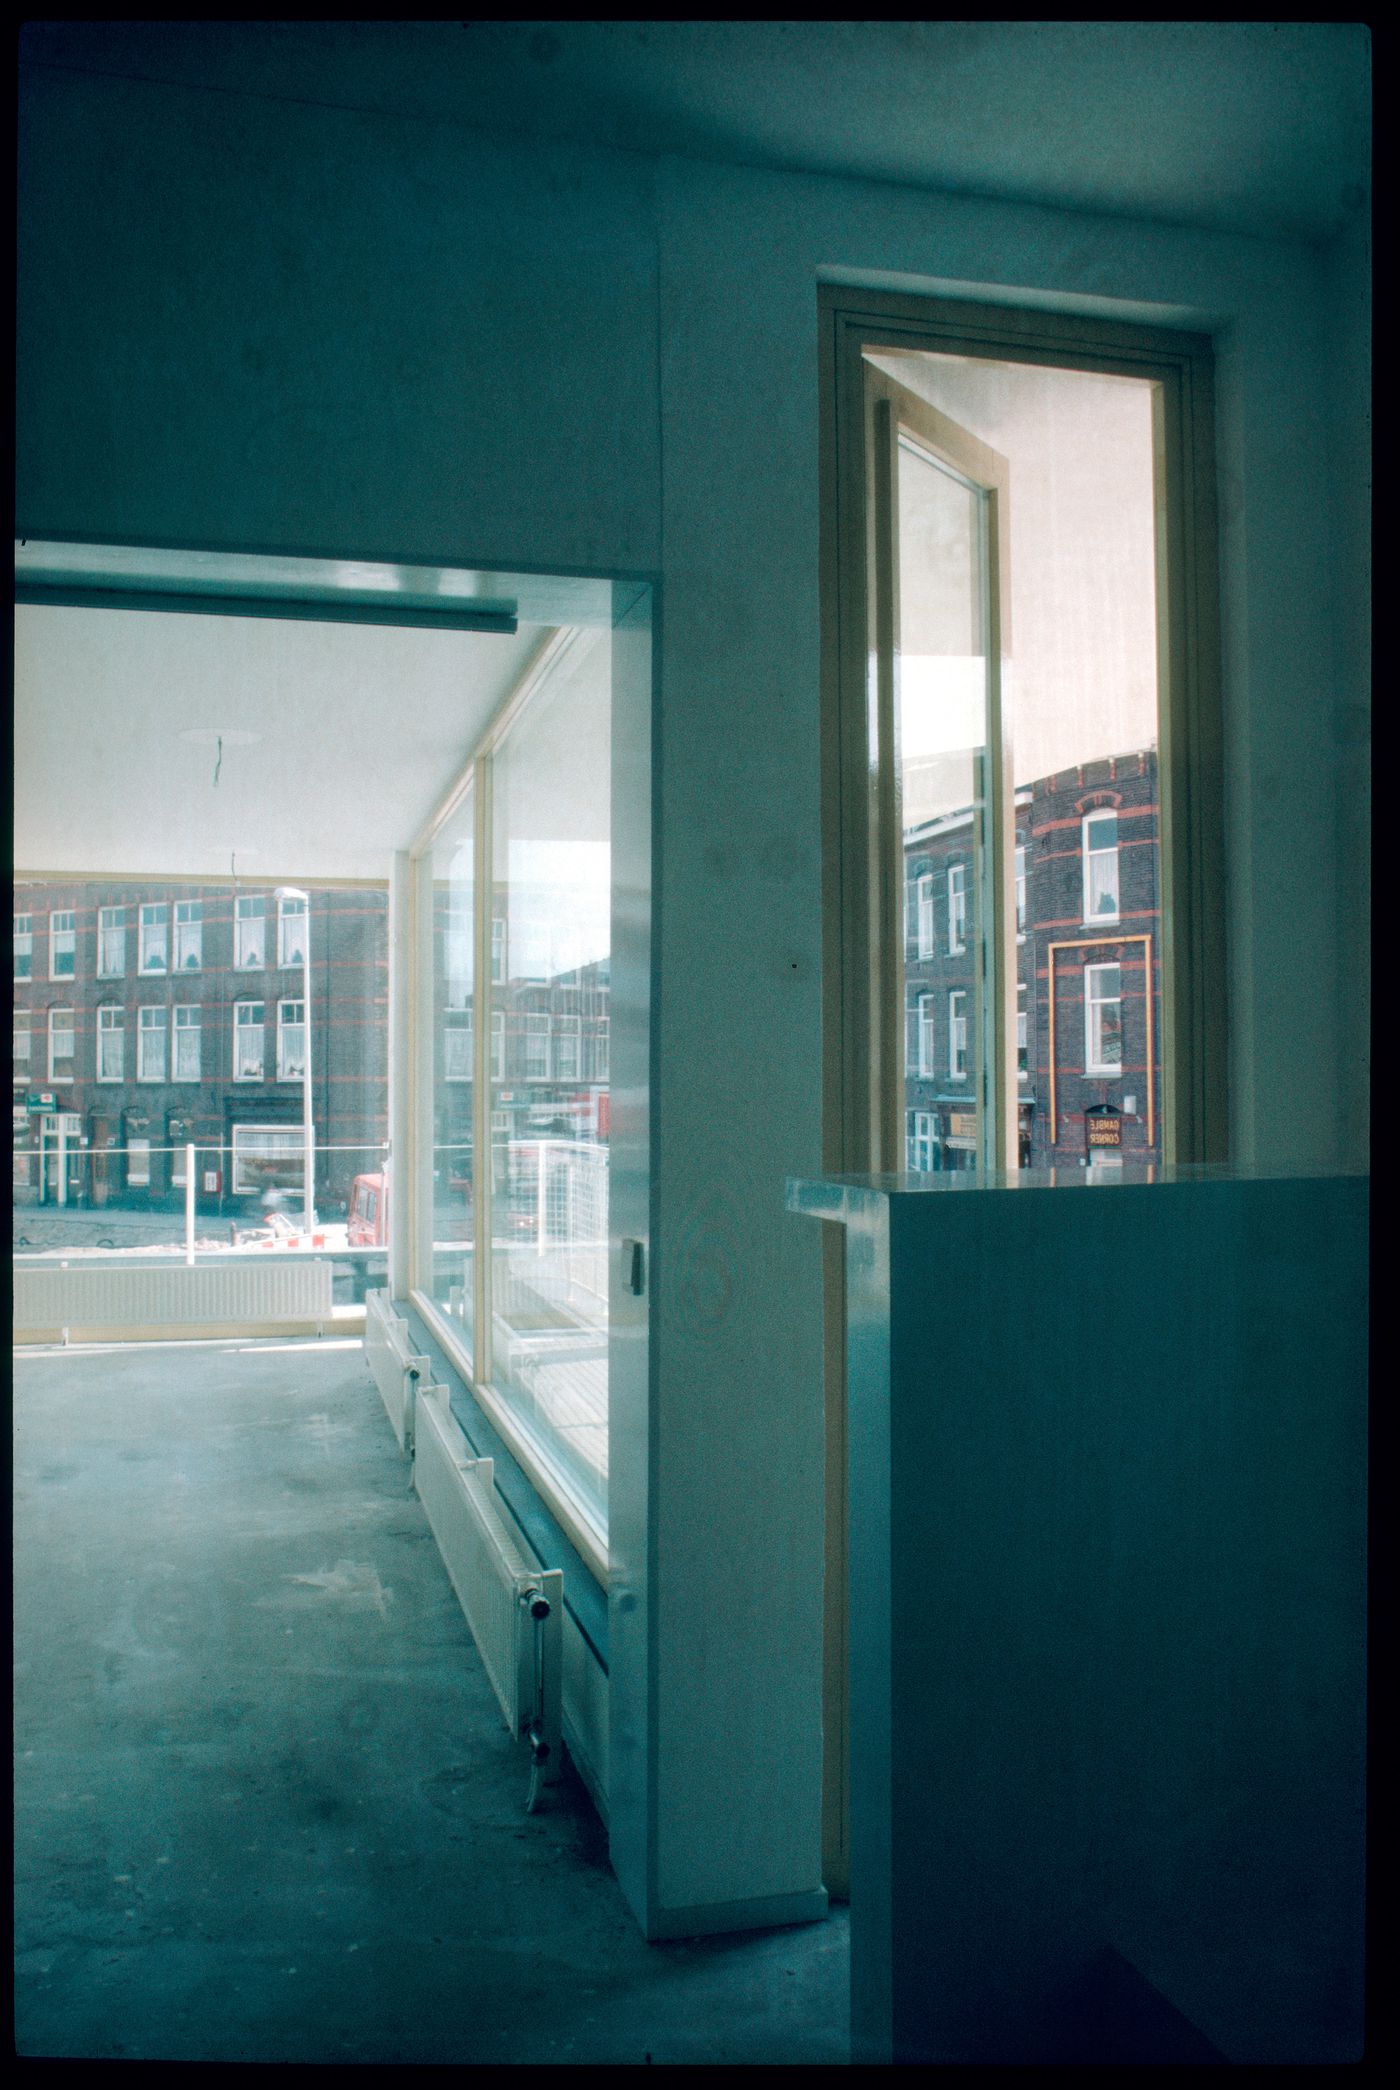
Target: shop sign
1103, 1126
962, 1130
40, 1099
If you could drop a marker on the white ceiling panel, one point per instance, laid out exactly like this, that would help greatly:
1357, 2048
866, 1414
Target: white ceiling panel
337, 740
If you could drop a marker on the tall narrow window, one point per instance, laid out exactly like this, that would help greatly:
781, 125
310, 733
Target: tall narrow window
457, 1045
291, 1040
552, 896
189, 935
291, 930
151, 1036
498, 1048
536, 1047
957, 1034
928, 1027
1019, 512
1023, 1057
63, 944
111, 1043
454, 1267
24, 946
923, 1141
22, 1046
62, 1044
567, 1056
1101, 867
498, 951
155, 938
249, 945
111, 942
598, 1068
1103, 1020
924, 905
187, 1034
957, 907
248, 1041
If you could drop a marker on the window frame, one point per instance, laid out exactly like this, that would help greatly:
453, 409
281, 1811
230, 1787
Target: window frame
24, 936
536, 1024
285, 1025
1102, 1069
153, 915
69, 947
242, 932
109, 1030
568, 1028
289, 911
925, 933
106, 930
23, 1023
499, 1054
957, 1033
957, 915
247, 1002
159, 1029
926, 1032
52, 1030
458, 1065
862, 1114
1086, 861
179, 963
179, 1030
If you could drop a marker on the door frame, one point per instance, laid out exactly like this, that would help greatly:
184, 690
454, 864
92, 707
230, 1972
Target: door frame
1194, 1039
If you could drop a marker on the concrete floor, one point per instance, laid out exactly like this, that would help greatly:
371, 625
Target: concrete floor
266, 1808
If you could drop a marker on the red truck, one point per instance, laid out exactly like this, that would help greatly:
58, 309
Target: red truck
367, 1221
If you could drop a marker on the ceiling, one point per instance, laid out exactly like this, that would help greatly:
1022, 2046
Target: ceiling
338, 741
1255, 127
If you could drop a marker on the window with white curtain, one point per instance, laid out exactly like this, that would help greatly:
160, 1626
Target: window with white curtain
152, 1032
248, 1041
1101, 866
111, 1043
111, 942
186, 1033
155, 937
189, 935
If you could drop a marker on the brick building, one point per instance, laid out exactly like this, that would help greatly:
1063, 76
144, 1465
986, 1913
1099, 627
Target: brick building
1087, 946
151, 1014
549, 1051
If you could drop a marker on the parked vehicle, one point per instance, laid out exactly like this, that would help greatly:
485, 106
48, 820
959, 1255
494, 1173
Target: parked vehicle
367, 1221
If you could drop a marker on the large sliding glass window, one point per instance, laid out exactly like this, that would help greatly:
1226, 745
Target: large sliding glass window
551, 882
453, 1283
520, 896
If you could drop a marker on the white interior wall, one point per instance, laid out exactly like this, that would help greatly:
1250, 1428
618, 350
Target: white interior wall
286, 327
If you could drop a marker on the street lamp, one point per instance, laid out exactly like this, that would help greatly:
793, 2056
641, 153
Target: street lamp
293, 892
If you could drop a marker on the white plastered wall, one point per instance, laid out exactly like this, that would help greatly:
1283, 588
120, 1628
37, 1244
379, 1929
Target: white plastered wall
274, 326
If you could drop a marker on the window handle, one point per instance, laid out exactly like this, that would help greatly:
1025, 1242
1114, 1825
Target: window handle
634, 1267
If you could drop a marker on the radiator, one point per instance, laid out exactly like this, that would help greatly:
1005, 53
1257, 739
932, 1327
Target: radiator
514, 1609
398, 1372
111, 1296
